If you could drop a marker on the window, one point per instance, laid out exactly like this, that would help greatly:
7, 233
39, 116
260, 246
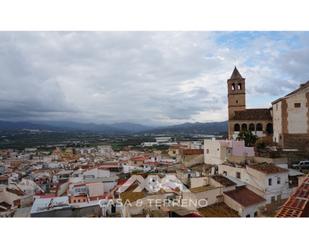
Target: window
236, 101
236, 127
269, 128
238, 175
269, 182
259, 127
255, 214
233, 87
251, 127
224, 173
238, 86
244, 127
278, 180
207, 151
297, 105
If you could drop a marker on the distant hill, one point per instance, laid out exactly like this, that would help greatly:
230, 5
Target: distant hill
7, 125
210, 128
76, 126
113, 129
131, 127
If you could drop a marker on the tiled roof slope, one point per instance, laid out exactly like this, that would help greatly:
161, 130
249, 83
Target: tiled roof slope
298, 203
244, 196
300, 88
236, 74
253, 114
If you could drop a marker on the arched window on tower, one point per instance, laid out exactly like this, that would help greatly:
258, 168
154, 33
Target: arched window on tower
233, 87
238, 86
259, 127
269, 128
244, 127
251, 127
236, 127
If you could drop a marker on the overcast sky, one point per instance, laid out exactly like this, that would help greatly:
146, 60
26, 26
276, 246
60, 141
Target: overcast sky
143, 77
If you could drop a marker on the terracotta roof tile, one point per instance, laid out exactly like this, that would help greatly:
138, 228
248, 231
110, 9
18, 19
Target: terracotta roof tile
4, 178
244, 196
188, 152
253, 114
15, 191
298, 204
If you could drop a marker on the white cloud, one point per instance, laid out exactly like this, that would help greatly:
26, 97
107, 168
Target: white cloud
143, 77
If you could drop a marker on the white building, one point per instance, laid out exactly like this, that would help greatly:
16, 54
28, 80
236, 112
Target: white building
218, 151
291, 118
268, 181
163, 139
244, 201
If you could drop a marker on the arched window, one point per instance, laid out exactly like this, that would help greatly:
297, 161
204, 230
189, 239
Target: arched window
259, 127
233, 87
269, 128
236, 127
238, 86
244, 127
251, 127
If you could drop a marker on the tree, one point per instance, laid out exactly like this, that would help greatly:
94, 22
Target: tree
249, 138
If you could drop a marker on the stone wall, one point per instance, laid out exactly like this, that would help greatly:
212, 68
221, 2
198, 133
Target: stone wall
296, 141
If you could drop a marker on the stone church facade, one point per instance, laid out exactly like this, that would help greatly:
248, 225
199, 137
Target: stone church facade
259, 121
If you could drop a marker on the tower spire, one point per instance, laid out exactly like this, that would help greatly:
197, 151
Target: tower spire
236, 74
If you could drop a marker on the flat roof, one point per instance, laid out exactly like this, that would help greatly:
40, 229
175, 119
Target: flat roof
218, 210
237, 181
201, 189
223, 180
293, 172
267, 168
47, 204
131, 196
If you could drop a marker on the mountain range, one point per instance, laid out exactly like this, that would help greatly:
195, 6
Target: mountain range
117, 128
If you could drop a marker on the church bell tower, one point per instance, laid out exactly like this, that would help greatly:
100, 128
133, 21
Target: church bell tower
236, 86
